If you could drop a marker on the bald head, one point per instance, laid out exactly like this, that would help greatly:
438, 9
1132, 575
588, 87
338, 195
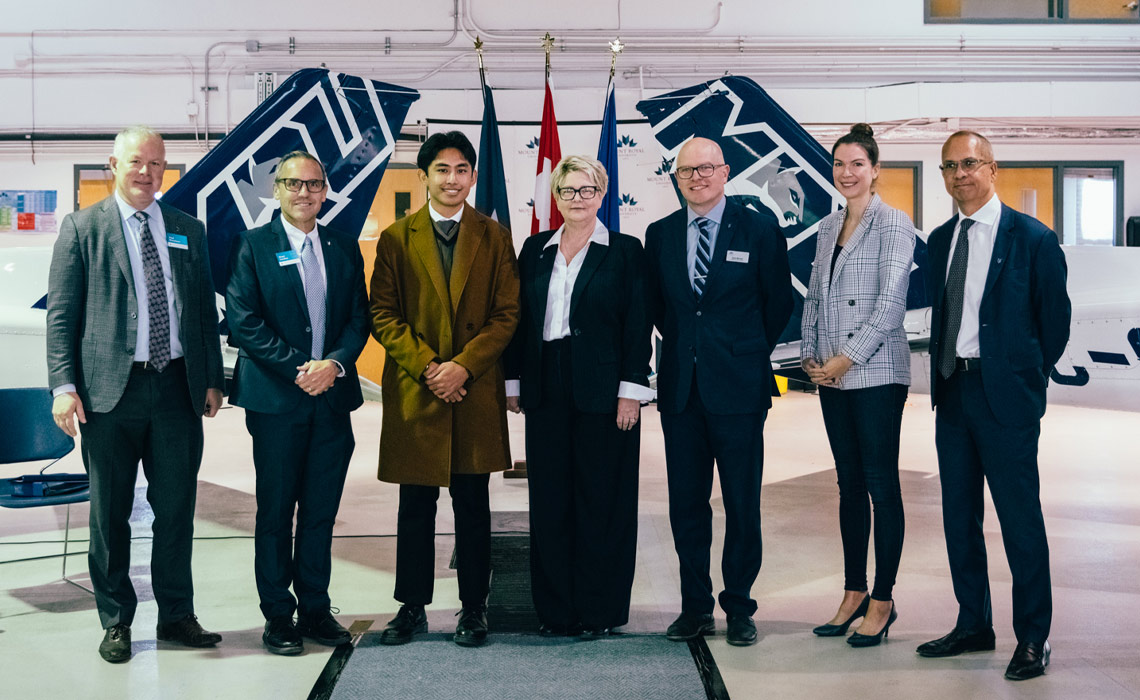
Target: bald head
968, 170
975, 140
701, 192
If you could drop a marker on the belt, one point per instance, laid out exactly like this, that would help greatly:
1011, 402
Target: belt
148, 366
968, 364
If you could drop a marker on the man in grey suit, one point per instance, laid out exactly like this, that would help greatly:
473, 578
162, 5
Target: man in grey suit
133, 354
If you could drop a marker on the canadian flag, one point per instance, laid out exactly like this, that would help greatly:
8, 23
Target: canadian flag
546, 215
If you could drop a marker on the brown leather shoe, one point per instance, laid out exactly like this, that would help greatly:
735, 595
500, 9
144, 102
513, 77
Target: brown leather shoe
116, 645
187, 632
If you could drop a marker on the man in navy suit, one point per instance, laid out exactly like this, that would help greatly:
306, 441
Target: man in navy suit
1000, 322
298, 313
722, 294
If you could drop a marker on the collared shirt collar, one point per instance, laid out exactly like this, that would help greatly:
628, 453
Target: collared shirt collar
436, 216
988, 214
297, 237
715, 214
127, 211
601, 235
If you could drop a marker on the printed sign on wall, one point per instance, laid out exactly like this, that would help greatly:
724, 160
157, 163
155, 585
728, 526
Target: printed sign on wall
27, 211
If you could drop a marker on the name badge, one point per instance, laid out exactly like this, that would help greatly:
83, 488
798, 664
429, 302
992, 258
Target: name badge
173, 240
740, 256
288, 257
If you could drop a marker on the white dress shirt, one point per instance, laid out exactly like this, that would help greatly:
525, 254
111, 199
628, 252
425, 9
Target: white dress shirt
436, 216
297, 240
556, 324
981, 235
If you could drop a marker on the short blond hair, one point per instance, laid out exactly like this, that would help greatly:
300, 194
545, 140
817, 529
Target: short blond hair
581, 164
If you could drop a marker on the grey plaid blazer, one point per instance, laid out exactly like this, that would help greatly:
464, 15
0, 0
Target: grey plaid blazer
92, 310
859, 310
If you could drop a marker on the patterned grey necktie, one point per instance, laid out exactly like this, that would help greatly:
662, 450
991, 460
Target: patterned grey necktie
314, 296
952, 303
704, 255
156, 303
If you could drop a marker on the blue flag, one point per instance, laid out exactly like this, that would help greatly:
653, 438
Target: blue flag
608, 156
491, 189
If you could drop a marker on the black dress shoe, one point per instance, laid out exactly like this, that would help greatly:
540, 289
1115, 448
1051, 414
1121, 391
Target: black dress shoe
830, 630
322, 627
741, 631
959, 641
1029, 661
545, 630
410, 620
591, 633
116, 645
870, 640
187, 632
472, 628
690, 626
281, 637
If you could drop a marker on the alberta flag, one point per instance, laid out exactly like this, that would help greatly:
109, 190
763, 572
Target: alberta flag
608, 157
546, 215
491, 190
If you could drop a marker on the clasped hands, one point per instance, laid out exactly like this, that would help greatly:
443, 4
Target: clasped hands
830, 372
315, 377
446, 380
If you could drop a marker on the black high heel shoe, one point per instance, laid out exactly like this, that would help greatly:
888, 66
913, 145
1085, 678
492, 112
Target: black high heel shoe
830, 630
870, 640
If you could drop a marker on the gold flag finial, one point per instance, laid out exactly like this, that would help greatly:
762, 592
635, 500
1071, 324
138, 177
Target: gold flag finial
479, 53
547, 44
615, 48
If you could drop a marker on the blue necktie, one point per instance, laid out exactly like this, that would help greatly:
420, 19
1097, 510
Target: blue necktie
315, 297
156, 303
704, 255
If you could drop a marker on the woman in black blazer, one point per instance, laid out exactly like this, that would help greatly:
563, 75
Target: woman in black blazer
578, 366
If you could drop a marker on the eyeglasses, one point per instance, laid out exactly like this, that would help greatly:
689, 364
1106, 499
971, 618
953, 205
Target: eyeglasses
966, 165
705, 169
567, 193
294, 185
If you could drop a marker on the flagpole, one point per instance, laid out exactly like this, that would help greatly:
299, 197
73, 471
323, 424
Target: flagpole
482, 76
547, 44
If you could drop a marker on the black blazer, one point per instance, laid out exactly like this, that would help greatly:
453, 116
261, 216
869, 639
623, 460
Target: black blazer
1024, 315
725, 339
609, 322
269, 320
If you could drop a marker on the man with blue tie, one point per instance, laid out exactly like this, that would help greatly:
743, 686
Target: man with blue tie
134, 356
1000, 321
722, 294
298, 313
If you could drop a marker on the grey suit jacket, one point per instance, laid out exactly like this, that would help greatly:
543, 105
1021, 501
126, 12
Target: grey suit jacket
92, 308
858, 310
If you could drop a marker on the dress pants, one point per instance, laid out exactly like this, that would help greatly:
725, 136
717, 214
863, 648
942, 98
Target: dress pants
694, 439
301, 458
582, 476
415, 540
863, 427
973, 446
154, 422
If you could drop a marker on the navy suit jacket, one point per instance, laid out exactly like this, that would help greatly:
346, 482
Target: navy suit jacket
1024, 315
725, 338
610, 328
269, 320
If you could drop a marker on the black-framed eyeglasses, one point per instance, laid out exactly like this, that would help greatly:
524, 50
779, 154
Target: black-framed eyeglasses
966, 165
588, 192
704, 169
294, 185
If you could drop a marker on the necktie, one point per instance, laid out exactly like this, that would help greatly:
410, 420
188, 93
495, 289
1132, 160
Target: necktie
952, 303
314, 297
445, 231
704, 255
156, 302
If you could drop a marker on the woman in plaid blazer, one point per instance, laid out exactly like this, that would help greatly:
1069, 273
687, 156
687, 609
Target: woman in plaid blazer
854, 347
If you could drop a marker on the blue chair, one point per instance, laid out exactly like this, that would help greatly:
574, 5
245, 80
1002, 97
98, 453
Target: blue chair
29, 434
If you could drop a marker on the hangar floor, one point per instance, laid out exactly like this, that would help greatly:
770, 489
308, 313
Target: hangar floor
49, 631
